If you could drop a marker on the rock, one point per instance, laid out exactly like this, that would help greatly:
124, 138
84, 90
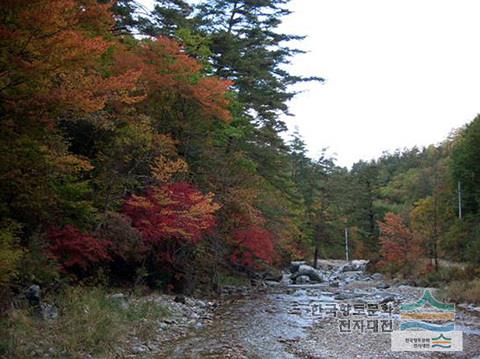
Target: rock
355, 265
346, 295
324, 266
273, 276
387, 298
48, 311
153, 347
121, 299
383, 286
377, 276
286, 279
33, 295
140, 348
302, 279
295, 265
180, 299
312, 273
334, 283
201, 304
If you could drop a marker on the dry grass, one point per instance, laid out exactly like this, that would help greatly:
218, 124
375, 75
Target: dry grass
463, 291
90, 323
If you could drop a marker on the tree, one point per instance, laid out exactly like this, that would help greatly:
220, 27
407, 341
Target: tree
400, 247
171, 16
365, 211
172, 219
253, 247
247, 50
75, 251
466, 166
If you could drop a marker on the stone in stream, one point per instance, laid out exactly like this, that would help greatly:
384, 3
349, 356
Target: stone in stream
334, 283
383, 285
355, 265
295, 265
303, 279
347, 295
306, 270
377, 276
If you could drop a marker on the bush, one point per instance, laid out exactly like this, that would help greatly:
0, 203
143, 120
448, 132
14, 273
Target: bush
463, 291
10, 252
442, 276
75, 251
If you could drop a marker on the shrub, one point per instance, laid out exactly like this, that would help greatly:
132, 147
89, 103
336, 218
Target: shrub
10, 252
442, 276
253, 247
463, 291
75, 251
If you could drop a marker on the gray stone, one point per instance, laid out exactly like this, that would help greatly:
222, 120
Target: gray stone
48, 311
355, 265
139, 348
383, 285
302, 279
334, 283
121, 299
387, 298
273, 276
344, 296
33, 294
295, 265
312, 273
377, 276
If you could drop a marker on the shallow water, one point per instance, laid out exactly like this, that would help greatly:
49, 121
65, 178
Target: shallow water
258, 325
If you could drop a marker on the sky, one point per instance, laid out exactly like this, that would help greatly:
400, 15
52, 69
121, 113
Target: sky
398, 73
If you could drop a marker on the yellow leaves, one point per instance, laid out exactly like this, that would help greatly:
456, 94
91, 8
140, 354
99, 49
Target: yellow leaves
164, 169
72, 164
204, 205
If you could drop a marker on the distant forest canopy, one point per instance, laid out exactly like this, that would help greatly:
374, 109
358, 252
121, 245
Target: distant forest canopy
159, 159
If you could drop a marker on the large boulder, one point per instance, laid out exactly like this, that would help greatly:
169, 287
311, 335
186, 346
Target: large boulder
355, 265
295, 265
312, 273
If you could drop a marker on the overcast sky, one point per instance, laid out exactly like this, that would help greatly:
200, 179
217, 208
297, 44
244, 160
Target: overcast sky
398, 73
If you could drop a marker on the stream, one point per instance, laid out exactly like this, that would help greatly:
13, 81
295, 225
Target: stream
278, 321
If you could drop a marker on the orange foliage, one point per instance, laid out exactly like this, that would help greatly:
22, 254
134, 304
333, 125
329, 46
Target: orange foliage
164, 169
51, 51
168, 70
401, 248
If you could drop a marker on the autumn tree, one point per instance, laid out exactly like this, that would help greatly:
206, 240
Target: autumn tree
172, 219
400, 247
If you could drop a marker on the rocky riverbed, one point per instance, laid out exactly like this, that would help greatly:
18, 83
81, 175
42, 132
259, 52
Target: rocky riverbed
283, 319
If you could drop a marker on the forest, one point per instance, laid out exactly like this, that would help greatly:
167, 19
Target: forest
152, 149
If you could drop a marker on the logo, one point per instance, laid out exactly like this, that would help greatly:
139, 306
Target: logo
427, 325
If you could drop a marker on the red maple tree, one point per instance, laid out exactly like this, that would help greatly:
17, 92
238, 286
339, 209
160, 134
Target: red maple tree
175, 211
75, 250
253, 247
400, 247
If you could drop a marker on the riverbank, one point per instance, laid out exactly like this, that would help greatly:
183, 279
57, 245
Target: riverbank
280, 322
277, 319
